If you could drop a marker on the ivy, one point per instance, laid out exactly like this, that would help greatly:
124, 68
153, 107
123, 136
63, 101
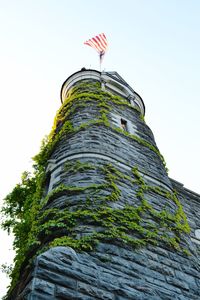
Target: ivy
38, 227
80, 97
71, 167
126, 224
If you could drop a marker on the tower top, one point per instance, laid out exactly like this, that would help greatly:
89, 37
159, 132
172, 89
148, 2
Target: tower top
110, 81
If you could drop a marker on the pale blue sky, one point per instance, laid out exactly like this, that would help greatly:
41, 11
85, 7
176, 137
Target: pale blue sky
153, 44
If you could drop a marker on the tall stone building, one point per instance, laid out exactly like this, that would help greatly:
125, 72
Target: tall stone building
111, 224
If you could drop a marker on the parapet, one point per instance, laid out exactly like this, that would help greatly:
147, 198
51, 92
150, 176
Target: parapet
110, 81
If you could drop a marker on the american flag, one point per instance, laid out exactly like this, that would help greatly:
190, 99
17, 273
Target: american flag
99, 43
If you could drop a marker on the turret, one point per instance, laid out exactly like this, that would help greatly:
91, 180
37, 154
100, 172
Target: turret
108, 219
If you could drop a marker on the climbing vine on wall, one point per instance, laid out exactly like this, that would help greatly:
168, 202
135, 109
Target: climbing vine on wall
119, 224
82, 95
37, 227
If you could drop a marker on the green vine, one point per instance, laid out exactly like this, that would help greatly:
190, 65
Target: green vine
80, 97
37, 227
126, 225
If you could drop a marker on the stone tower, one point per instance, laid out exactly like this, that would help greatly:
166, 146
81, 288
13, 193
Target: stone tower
109, 224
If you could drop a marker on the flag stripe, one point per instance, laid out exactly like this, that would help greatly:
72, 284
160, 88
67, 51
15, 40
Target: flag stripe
103, 40
99, 43
95, 44
91, 44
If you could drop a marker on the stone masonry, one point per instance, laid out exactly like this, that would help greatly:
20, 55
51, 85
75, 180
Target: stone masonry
113, 270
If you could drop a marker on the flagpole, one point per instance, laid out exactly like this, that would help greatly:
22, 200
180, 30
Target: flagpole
101, 55
99, 43
100, 61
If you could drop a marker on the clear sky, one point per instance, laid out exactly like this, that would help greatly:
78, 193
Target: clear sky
153, 44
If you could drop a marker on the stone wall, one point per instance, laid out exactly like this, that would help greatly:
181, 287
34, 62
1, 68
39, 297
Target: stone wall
117, 272
114, 269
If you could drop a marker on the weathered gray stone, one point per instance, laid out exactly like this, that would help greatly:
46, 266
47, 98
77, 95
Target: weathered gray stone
115, 271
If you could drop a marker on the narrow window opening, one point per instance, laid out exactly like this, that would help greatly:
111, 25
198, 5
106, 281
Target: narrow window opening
124, 125
47, 183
